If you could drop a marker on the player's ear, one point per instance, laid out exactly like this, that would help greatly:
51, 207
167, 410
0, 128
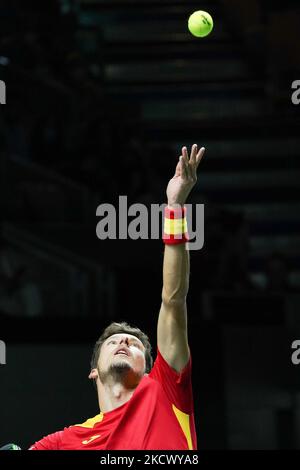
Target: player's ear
93, 374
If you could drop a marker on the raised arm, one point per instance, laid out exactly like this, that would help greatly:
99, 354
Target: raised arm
172, 337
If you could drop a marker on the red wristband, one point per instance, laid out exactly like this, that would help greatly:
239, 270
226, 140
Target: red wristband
175, 226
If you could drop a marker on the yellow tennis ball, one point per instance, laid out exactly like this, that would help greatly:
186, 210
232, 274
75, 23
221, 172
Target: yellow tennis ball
200, 23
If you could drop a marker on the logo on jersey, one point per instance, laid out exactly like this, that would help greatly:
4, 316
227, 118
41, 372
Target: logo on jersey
87, 441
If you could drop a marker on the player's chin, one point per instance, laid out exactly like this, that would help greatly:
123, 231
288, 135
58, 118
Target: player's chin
120, 366
121, 359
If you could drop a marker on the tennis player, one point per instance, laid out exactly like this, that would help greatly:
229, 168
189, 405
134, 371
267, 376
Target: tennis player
145, 406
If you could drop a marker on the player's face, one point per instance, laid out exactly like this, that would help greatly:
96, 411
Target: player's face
121, 350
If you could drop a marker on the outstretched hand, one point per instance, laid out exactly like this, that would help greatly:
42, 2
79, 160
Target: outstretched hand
185, 177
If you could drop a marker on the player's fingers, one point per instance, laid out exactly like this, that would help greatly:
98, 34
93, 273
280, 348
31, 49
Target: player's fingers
187, 163
183, 168
185, 155
199, 156
178, 168
194, 165
193, 154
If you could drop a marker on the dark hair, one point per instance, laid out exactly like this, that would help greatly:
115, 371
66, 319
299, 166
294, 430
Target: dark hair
116, 328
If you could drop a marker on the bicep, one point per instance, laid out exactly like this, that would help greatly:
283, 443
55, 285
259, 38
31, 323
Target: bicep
172, 337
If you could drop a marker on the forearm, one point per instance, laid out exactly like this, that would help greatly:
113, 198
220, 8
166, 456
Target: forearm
172, 336
176, 271
176, 266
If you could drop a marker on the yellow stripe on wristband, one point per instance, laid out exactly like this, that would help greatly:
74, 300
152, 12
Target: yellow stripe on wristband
175, 226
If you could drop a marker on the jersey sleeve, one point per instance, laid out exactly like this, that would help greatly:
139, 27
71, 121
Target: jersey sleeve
50, 442
177, 386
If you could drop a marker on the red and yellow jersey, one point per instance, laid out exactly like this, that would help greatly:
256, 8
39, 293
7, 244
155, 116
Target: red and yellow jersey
158, 416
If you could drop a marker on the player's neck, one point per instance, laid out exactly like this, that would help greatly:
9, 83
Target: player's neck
113, 395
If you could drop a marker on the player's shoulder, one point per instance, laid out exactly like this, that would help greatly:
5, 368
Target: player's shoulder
161, 368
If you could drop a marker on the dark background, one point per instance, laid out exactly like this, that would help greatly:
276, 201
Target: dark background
101, 96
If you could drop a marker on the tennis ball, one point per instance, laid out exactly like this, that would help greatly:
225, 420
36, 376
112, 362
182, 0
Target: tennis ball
200, 23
